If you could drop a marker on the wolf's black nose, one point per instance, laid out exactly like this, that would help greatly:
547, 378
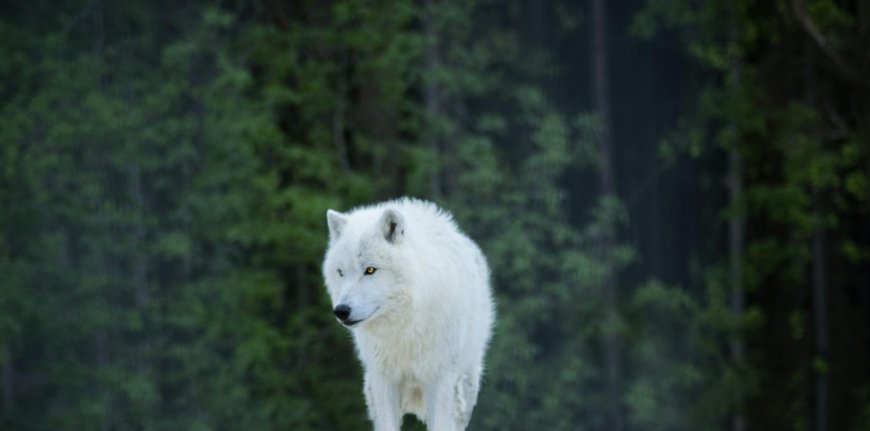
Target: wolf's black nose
342, 312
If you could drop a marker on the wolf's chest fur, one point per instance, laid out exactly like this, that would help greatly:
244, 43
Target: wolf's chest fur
405, 352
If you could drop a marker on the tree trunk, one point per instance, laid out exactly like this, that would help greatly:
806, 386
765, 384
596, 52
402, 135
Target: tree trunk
431, 95
819, 279
102, 353
141, 292
735, 252
7, 378
821, 320
601, 95
140, 282
601, 101
338, 119
736, 232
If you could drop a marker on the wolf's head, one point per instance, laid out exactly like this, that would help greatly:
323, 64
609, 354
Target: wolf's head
365, 267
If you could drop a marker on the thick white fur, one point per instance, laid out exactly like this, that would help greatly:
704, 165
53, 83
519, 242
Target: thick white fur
425, 316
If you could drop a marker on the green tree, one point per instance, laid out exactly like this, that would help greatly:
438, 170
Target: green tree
777, 113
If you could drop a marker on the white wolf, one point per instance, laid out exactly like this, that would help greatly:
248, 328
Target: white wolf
415, 293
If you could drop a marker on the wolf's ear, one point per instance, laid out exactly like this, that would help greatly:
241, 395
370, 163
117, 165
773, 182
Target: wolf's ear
336, 222
392, 226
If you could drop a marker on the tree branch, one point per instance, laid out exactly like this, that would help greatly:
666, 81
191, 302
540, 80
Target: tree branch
843, 67
86, 10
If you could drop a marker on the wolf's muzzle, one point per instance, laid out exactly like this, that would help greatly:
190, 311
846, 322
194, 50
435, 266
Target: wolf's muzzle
342, 312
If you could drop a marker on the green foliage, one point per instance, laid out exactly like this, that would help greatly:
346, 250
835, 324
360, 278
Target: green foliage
161, 241
544, 357
801, 180
686, 381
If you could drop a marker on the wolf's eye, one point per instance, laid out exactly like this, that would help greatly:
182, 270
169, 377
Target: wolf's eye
370, 270
340, 274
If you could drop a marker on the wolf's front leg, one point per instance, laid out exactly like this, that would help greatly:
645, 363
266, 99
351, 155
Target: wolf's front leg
382, 400
450, 403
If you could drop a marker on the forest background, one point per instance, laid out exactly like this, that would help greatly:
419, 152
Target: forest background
672, 194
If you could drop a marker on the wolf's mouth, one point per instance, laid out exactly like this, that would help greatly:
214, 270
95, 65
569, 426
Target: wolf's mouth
350, 323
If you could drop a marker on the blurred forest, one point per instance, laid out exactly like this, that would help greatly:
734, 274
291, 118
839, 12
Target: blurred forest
672, 194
